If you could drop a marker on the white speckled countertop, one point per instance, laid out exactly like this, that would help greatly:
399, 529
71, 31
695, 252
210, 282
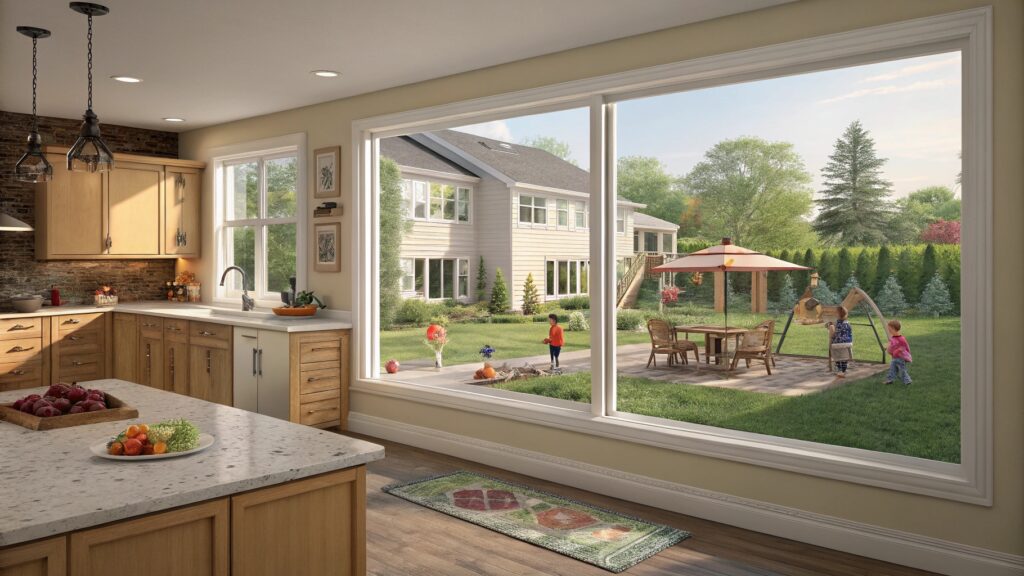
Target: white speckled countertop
261, 318
51, 483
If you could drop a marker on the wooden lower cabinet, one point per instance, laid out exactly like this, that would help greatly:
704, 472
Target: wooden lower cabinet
193, 540
314, 527
126, 346
209, 371
40, 558
151, 361
175, 359
79, 347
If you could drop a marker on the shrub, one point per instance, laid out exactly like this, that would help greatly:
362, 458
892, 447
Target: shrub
824, 294
935, 299
481, 280
851, 283
629, 320
509, 319
577, 322
890, 300
575, 303
415, 311
440, 320
787, 295
499, 294
531, 300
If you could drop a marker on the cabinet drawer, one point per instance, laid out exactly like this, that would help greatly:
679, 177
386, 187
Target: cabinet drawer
21, 375
151, 327
82, 341
21, 350
209, 334
75, 322
175, 330
319, 380
81, 366
312, 413
18, 328
324, 351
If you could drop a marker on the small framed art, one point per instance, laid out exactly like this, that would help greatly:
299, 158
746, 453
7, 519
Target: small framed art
328, 172
328, 258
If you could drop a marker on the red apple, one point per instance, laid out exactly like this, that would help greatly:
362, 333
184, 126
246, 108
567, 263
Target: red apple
76, 394
62, 404
76, 409
39, 404
17, 404
95, 407
392, 366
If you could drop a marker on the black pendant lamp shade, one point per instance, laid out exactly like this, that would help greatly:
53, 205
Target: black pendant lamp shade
90, 152
32, 166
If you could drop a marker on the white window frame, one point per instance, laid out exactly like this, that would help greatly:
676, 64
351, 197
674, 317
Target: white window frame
571, 263
579, 208
261, 150
534, 208
459, 262
561, 208
416, 193
968, 30
620, 221
668, 241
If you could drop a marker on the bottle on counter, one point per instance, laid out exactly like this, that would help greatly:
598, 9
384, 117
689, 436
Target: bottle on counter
54, 296
170, 291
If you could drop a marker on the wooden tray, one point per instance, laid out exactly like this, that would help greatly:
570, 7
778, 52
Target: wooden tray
304, 311
116, 410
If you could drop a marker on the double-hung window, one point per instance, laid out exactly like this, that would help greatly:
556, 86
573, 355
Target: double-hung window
436, 202
562, 208
580, 214
415, 193
259, 222
533, 209
666, 244
620, 221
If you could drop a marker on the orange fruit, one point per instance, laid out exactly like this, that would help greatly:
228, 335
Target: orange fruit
144, 428
159, 448
132, 431
116, 449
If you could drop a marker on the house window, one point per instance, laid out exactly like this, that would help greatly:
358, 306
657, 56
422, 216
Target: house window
636, 241
462, 206
533, 209
442, 277
567, 277
620, 220
667, 245
562, 207
463, 287
258, 222
436, 202
580, 214
650, 241
415, 192
412, 275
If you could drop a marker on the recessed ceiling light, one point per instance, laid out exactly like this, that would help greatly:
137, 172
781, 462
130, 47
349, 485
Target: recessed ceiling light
127, 79
326, 73
174, 119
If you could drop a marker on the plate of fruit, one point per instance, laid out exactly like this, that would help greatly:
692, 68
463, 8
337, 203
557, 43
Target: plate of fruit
166, 439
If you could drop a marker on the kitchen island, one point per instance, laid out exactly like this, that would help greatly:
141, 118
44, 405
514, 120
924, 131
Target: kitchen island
269, 497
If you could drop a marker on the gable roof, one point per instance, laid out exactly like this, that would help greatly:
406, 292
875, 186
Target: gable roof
641, 220
408, 152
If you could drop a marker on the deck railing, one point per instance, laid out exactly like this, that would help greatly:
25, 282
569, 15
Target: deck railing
637, 265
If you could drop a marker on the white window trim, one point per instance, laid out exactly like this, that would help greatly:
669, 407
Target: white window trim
579, 263
410, 197
968, 30
426, 278
574, 204
568, 213
266, 148
533, 211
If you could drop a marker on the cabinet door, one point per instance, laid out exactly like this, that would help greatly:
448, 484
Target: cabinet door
315, 526
244, 378
40, 558
74, 221
133, 199
209, 372
181, 211
151, 353
176, 367
192, 540
126, 346
272, 369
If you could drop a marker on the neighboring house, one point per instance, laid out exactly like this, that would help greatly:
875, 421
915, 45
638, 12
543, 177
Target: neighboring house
521, 208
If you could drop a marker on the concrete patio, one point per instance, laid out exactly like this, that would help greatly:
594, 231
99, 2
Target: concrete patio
792, 376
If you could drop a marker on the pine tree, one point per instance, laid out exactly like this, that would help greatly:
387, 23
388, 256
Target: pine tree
499, 294
844, 265
824, 294
907, 271
481, 281
775, 279
951, 275
854, 206
865, 270
787, 295
929, 265
827, 268
890, 299
531, 302
882, 269
935, 299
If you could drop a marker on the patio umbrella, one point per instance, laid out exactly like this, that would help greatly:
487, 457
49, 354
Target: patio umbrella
727, 257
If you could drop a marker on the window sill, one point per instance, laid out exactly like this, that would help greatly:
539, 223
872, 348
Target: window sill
890, 471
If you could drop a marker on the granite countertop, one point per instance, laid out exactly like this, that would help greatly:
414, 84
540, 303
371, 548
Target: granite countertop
50, 483
261, 318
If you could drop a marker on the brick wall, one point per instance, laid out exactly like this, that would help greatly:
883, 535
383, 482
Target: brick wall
19, 270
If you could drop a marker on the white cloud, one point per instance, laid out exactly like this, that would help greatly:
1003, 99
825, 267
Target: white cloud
913, 69
495, 129
892, 89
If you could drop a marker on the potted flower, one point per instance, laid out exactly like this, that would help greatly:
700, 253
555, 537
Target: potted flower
437, 337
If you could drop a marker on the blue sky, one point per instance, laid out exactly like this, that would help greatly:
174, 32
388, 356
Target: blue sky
911, 106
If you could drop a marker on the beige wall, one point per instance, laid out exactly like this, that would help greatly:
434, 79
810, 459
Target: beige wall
1000, 527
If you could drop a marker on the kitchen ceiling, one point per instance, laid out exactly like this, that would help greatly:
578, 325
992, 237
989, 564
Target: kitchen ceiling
212, 61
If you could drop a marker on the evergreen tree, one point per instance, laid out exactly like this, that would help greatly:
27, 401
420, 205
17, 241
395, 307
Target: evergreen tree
787, 295
851, 283
929, 265
531, 302
775, 279
844, 265
499, 294
854, 206
810, 258
825, 295
883, 269
827, 268
908, 273
481, 281
890, 299
799, 279
392, 226
865, 270
935, 299
951, 274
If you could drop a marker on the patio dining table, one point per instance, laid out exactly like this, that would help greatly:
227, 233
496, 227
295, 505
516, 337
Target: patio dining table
715, 339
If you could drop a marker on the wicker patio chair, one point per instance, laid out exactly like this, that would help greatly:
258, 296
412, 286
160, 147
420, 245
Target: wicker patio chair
663, 341
757, 345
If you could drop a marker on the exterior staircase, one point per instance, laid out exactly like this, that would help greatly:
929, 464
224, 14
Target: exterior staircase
628, 289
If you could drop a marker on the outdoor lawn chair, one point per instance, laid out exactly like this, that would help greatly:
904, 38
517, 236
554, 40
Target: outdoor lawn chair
757, 345
663, 341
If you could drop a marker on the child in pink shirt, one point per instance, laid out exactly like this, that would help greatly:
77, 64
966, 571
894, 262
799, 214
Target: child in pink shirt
899, 349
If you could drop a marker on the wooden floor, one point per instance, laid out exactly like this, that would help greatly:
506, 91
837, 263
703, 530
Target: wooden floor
406, 539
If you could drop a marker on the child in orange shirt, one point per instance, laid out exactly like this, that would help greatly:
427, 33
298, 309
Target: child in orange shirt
555, 339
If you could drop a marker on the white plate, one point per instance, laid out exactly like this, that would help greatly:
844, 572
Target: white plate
205, 441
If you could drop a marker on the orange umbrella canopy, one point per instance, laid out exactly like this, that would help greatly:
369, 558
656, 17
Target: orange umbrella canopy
726, 257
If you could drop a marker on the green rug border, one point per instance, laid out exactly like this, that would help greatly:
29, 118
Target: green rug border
670, 540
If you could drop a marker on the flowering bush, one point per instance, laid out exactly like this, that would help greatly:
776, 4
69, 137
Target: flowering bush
670, 295
487, 351
942, 232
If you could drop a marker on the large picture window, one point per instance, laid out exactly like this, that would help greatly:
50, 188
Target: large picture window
435, 201
566, 277
443, 278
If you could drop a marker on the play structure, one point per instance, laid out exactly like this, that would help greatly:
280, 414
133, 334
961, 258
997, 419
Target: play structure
809, 311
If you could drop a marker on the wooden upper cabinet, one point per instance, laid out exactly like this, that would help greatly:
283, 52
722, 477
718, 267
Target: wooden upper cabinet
181, 211
146, 207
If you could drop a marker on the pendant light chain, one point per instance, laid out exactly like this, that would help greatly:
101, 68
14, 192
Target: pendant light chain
35, 119
90, 63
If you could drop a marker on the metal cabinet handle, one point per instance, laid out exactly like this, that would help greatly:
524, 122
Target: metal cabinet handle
74, 338
76, 362
313, 378
207, 333
109, 243
253, 361
170, 361
315, 410
20, 349
19, 327
322, 349
148, 325
72, 321
259, 362
17, 372
174, 328
209, 361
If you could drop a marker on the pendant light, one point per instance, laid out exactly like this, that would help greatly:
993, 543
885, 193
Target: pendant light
33, 166
90, 153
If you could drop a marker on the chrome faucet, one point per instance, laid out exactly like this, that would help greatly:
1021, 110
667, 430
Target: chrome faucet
247, 302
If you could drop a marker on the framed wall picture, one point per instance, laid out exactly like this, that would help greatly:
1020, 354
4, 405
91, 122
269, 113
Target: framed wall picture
328, 172
328, 258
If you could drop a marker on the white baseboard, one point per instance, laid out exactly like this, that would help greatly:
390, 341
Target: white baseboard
886, 544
